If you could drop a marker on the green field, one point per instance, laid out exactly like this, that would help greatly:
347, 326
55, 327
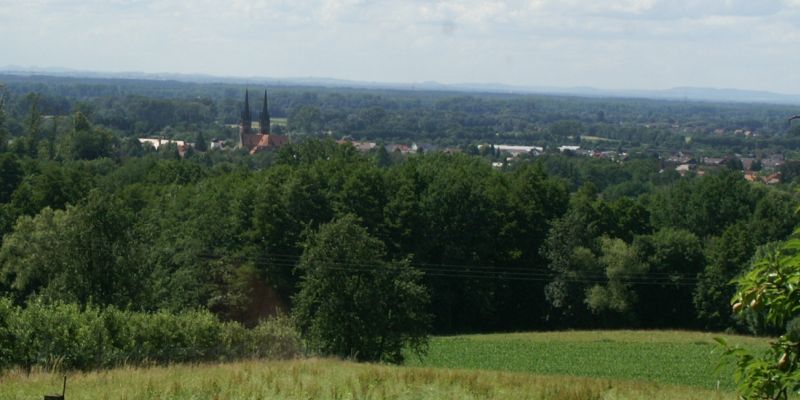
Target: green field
562, 365
256, 125
272, 121
589, 138
331, 379
679, 358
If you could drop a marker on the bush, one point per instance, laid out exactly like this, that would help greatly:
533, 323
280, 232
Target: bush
770, 289
64, 336
276, 338
7, 340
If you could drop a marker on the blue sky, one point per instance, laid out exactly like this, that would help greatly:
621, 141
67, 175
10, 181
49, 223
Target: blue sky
614, 44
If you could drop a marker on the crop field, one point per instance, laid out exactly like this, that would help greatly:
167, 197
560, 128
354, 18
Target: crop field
331, 379
669, 357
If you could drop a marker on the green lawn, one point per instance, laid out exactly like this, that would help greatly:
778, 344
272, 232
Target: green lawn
670, 357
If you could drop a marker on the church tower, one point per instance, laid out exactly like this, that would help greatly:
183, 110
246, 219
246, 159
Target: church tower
264, 118
263, 140
246, 121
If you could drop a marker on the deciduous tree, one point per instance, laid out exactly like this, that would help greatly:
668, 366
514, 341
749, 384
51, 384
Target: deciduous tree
353, 303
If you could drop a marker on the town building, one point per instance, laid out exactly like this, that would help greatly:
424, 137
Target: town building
263, 140
181, 145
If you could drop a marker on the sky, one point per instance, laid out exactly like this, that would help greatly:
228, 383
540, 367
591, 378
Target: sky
613, 44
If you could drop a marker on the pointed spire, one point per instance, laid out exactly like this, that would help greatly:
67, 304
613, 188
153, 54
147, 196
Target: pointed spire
246, 112
264, 120
246, 120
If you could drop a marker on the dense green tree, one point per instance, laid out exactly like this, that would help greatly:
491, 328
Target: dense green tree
305, 119
353, 303
11, 174
4, 134
734, 164
200, 142
705, 206
621, 265
83, 254
131, 147
458, 225
728, 256
673, 257
50, 184
562, 129
569, 250
529, 202
774, 217
364, 194
28, 145
85, 142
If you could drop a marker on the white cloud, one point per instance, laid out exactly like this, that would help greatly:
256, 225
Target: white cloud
614, 43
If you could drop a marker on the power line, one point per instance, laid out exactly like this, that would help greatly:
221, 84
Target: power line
288, 262
433, 270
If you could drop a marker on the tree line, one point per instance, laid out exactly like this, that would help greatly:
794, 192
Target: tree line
441, 243
525, 248
180, 109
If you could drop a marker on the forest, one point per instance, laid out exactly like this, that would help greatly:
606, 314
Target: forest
93, 222
182, 110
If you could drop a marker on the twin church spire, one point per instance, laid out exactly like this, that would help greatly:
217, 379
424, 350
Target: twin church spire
264, 139
246, 122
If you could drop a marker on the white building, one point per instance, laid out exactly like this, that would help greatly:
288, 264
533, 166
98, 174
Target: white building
517, 150
158, 142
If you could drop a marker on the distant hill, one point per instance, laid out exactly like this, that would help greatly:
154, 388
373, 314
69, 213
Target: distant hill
678, 93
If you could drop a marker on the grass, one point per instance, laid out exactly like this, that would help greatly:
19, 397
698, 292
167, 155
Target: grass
668, 357
649, 365
331, 379
256, 125
272, 121
589, 138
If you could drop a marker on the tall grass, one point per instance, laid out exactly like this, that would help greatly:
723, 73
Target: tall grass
330, 379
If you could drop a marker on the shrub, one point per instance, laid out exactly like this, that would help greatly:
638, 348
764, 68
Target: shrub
770, 289
276, 338
65, 336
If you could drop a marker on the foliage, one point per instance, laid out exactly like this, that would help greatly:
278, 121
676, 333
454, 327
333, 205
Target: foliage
352, 303
65, 336
85, 142
673, 258
621, 264
728, 256
770, 289
89, 215
82, 254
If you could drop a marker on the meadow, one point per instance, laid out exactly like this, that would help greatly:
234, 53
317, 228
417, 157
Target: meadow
562, 365
668, 357
330, 379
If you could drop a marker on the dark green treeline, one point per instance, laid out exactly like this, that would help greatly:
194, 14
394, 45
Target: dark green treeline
554, 242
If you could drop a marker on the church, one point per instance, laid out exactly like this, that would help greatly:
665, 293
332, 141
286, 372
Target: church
263, 140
